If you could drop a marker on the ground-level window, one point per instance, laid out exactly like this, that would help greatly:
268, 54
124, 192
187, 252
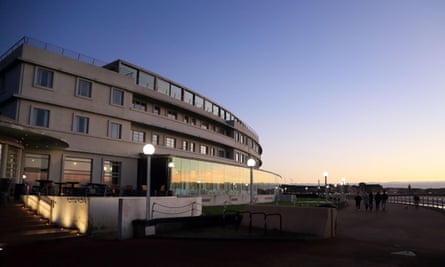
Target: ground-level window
36, 167
112, 172
12, 158
77, 169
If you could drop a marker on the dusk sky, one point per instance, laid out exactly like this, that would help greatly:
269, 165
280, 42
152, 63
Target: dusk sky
355, 88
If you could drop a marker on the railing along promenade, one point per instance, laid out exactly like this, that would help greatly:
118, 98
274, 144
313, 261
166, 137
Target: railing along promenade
437, 202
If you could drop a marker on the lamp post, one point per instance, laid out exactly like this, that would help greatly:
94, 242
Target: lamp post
171, 165
325, 174
148, 150
251, 163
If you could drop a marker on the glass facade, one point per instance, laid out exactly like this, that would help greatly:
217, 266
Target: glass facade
194, 177
36, 167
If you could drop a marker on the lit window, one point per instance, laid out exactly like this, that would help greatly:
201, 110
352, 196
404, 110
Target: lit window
172, 115
44, 78
77, 169
192, 147
204, 150
184, 145
81, 124
117, 97
170, 142
155, 139
115, 130
138, 136
139, 105
40, 117
84, 88
112, 172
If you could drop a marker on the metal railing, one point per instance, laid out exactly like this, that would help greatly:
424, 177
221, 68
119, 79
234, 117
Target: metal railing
173, 211
55, 49
437, 202
265, 217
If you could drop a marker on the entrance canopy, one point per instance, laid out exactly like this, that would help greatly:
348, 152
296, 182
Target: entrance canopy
29, 138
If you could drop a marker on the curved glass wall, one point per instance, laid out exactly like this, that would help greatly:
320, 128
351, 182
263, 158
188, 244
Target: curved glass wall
194, 177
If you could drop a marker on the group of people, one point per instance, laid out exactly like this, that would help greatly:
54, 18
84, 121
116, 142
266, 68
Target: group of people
369, 199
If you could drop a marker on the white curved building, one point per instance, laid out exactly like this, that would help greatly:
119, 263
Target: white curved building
66, 117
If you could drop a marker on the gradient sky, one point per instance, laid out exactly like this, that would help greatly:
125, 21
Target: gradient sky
355, 88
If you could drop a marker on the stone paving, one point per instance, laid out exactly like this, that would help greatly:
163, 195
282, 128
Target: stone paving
400, 236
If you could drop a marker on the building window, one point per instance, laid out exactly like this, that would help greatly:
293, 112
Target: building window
138, 136
115, 130
128, 71
208, 106
170, 142
156, 110
193, 122
204, 150
192, 147
155, 139
186, 119
84, 88
77, 169
40, 117
81, 124
222, 153
36, 167
199, 102
204, 125
215, 110
44, 78
12, 159
112, 172
139, 105
117, 97
185, 145
163, 87
172, 115
188, 97
176, 92
146, 80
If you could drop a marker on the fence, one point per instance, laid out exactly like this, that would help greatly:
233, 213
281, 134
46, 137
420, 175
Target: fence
437, 202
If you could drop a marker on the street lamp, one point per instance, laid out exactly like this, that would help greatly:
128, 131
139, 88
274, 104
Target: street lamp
325, 174
171, 165
148, 150
251, 163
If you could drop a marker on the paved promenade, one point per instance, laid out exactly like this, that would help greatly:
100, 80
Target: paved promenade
399, 236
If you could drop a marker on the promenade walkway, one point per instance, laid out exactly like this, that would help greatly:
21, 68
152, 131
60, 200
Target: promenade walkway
400, 236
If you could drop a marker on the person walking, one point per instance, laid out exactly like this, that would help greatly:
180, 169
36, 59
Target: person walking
366, 201
371, 199
358, 200
384, 200
378, 198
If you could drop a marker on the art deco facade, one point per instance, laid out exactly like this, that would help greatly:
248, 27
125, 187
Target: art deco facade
68, 117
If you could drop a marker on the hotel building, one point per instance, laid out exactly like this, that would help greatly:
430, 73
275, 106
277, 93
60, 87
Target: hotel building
67, 117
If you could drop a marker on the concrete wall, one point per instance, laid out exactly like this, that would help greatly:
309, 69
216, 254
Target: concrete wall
320, 222
110, 216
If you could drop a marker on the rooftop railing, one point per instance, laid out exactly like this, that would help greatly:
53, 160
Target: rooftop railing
55, 49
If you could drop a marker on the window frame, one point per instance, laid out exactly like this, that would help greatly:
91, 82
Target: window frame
78, 89
38, 81
77, 124
34, 117
137, 134
111, 128
122, 98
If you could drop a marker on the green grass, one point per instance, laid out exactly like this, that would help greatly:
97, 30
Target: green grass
301, 202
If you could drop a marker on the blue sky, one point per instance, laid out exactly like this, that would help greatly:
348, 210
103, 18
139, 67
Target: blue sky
355, 88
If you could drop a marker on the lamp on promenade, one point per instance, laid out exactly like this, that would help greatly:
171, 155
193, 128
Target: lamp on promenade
171, 165
251, 163
148, 150
325, 174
